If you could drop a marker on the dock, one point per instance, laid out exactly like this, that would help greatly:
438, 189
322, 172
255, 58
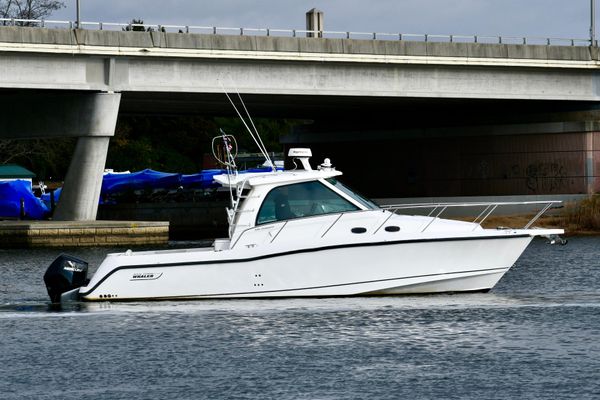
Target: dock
27, 234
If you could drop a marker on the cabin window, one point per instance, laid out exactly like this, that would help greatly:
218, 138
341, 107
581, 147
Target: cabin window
301, 200
354, 194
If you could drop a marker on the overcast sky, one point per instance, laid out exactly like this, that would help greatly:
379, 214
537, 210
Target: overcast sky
544, 18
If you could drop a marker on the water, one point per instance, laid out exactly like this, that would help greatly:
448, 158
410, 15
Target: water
536, 335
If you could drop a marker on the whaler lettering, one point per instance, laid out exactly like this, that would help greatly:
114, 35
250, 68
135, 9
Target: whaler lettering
145, 276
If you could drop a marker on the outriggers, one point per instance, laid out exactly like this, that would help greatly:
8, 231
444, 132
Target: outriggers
302, 232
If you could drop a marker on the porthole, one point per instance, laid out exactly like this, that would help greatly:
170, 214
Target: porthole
392, 228
358, 229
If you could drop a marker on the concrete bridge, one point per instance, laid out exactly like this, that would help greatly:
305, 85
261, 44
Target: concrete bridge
65, 82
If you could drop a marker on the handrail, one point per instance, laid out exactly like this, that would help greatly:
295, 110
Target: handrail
279, 231
244, 31
490, 207
331, 226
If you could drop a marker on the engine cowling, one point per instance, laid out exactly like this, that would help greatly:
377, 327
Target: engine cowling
66, 273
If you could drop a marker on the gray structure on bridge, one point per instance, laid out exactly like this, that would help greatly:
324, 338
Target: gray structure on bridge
64, 82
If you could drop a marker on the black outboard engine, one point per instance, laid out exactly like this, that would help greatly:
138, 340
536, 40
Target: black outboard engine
64, 274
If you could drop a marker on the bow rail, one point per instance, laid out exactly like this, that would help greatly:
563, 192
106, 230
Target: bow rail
437, 209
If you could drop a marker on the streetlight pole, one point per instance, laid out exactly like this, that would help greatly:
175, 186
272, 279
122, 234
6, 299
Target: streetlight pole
593, 23
79, 15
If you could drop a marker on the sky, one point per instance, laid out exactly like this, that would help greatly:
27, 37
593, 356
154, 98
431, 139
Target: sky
532, 18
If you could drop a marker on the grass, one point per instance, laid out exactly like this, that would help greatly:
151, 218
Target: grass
582, 216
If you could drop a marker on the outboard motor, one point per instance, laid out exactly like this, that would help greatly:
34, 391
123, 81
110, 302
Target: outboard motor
66, 273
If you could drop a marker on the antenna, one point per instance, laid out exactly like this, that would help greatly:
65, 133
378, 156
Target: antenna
256, 130
259, 143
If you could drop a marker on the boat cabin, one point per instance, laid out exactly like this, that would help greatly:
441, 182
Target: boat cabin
266, 199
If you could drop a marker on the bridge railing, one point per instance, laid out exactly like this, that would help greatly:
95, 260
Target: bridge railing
216, 30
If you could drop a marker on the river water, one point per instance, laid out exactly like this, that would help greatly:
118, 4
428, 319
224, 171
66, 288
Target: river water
536, 335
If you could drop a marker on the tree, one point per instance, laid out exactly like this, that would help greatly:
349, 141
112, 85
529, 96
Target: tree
28, 9
46, 157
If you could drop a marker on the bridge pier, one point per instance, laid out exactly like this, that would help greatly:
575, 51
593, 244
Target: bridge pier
81, 191
91, 117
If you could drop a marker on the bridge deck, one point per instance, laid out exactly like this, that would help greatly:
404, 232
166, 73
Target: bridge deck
85, 39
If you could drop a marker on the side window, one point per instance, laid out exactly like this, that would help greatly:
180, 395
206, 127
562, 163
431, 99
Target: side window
301, 200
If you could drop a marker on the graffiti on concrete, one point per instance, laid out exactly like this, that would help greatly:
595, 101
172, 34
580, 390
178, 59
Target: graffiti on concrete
546, 177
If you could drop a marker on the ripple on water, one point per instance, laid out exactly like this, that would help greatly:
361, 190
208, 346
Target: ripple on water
534, 336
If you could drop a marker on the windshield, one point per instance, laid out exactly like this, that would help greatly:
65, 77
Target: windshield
362, 200
301, 200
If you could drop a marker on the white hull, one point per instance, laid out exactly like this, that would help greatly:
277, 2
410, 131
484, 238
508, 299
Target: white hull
302, 233
386, 268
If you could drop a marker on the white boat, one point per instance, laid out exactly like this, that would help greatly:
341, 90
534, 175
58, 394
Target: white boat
303, 233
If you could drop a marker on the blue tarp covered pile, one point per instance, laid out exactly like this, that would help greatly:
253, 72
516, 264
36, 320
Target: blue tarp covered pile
12, 192
141, 180
46, 197
152, 180
113, 185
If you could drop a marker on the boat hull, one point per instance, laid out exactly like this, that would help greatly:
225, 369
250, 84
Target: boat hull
387, 268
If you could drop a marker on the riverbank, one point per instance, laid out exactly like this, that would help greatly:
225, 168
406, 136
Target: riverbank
578, 218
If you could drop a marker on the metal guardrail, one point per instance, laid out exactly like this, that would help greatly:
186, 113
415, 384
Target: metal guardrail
215, 30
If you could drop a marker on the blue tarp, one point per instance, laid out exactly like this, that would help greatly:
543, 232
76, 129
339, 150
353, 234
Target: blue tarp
201, 180
141, 180
11, 194
149, 180
46, 197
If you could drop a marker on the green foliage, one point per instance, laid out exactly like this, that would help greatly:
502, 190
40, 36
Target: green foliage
178, 144
269, 129
166, 144
170, 144
48, 158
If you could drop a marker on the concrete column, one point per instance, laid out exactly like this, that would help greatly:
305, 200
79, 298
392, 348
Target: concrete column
81, 191
91, 117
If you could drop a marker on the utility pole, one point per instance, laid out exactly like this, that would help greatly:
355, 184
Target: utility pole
593, 23
79, 15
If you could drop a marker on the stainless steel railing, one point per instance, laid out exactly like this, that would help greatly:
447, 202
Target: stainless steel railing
437, 209
215, 30
488, 208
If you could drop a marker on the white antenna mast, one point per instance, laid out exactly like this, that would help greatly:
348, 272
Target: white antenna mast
256, 141
255, 130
